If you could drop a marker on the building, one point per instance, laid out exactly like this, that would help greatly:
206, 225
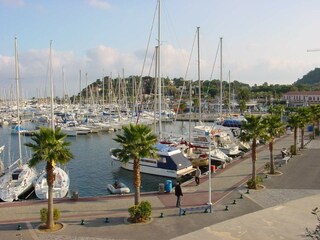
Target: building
296, 99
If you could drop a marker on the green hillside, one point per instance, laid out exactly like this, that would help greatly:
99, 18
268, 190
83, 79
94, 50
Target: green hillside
311, 78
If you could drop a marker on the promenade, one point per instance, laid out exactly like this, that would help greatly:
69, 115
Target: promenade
280, 211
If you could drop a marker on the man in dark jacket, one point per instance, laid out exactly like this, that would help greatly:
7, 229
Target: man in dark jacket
178, 193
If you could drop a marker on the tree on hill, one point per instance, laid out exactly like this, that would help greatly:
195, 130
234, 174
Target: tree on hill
312, 77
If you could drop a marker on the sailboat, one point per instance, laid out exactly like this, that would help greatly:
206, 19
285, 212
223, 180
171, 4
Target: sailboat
60, 185
62, 181
19, 177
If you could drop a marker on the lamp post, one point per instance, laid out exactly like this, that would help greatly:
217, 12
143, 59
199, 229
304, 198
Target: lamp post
209, 163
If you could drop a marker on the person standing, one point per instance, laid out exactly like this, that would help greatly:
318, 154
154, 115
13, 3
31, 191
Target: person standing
178, 193
197, 175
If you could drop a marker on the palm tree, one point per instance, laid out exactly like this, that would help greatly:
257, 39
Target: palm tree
305, 117
49, 146
315, 113
274, 128
137, 141
253, 130
294, 121
278, 110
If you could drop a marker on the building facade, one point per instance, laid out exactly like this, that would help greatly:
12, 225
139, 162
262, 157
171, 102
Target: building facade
296, 99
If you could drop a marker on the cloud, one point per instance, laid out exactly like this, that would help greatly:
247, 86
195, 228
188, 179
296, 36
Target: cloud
34, 71
14, 3
34, 68
103, 58
99, 4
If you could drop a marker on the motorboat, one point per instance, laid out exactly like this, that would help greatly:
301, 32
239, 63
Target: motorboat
171, 163
17, 129
60, 184
118, 188
231, 150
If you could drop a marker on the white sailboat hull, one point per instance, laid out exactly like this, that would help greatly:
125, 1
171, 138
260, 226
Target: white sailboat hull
60, 185
15, 184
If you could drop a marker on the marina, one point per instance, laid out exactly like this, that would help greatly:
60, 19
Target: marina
92, 167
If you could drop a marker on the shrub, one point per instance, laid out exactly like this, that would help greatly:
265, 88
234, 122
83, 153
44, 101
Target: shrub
251, 183
44, 215
293, 150
140, 213
314, 234
56, 214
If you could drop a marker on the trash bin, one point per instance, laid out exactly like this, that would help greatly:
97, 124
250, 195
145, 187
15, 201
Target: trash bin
161, 187
168, 186
75, 196
310, 128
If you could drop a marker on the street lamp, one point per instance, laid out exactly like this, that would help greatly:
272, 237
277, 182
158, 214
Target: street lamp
209, 162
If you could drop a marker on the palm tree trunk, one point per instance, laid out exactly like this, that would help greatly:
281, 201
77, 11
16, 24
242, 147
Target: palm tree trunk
50, 180
271, 157
302, 138
137, 181
254, 159
295, 141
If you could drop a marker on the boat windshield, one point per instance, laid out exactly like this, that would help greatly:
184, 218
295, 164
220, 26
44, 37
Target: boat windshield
15, 174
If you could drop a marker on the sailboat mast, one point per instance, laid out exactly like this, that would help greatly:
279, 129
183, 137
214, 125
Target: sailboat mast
102, 87
155, 90
229, 102
18, 95
159, 70
87, 96
51, 82
221, 78
198, 31
79, 87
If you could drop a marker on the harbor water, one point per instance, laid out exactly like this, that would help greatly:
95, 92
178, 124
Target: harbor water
92, 167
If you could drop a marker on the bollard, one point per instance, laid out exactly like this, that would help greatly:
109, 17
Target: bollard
107, 220
161, 215
227, 208
75, 196
234, 202
241, 196
82, 222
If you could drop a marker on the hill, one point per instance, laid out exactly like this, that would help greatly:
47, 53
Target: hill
311, 78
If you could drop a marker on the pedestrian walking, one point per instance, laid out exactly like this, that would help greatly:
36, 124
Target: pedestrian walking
197, 175
178, 193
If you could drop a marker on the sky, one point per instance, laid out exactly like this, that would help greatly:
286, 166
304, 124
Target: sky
262, 41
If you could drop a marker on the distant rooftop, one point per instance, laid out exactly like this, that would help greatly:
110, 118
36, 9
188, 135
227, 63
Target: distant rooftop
303, 93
